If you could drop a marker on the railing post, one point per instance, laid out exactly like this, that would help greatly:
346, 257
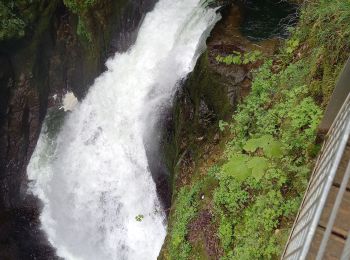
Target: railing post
336, 123
338, 97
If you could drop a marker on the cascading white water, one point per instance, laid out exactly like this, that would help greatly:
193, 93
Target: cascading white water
93, 176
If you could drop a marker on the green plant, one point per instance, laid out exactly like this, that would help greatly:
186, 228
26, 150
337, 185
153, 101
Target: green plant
139, 217
11, 25
186, 204
255, 236
273, 130
81, 8
242, 166
264, 171
222, 125
267, 143
251, 57
238, 58
214, 171
292, 45
82, 30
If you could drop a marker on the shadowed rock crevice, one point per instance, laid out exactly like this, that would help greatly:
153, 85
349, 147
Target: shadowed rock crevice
50, 60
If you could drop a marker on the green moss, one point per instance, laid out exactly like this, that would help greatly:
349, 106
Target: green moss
323, 35
17, 16
286, 106
274, 132
202, 84
186, 204
11, 26
81, 9
207, 84
277, 122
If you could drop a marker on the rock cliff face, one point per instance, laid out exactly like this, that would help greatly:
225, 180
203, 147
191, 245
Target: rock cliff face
211, 92
35, 72
193, 141
52, 59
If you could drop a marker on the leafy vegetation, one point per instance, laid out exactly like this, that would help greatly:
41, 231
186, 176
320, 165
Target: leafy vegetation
186, 205
16, 16
268, 163
322, 38
11, 26
265, 168
139, 218
81, 8
239, 58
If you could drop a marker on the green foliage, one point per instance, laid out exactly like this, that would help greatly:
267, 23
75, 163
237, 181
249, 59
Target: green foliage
186, 205
222, 125
255, 234
266, 165
323, 34
238, 58
242, 166
237, 167
82, 30
235, 58
274, 129
17, 15
81, 8
292, 45
251, 57
139, 217
225, 232
11, 25
214, 171
271, 147
230, 197
258, 166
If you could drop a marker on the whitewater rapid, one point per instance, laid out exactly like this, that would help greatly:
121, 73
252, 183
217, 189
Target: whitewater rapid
93, 176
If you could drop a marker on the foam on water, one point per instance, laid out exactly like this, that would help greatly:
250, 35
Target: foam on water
93, 176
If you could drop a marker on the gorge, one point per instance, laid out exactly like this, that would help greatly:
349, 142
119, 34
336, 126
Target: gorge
169, 94
93, 177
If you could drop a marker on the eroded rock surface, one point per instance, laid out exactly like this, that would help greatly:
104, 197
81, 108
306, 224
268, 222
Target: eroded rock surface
35, 73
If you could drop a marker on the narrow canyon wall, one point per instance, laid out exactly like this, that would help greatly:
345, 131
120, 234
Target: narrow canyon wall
35, 72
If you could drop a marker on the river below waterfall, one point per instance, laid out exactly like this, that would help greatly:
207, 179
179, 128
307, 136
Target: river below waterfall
99, 198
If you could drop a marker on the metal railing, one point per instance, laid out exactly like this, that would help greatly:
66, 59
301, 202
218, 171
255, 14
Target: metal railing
305, 225
346, 252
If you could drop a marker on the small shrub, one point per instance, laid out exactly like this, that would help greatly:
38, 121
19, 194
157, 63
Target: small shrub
238, 58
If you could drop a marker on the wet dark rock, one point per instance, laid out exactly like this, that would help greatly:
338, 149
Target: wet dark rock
211, 92
206, 115
26, 240
50, 60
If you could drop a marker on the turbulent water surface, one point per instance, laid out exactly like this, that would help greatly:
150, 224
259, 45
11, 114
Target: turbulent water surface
93, 176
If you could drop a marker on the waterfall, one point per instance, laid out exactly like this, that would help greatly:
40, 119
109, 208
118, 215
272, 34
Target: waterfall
99, 198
